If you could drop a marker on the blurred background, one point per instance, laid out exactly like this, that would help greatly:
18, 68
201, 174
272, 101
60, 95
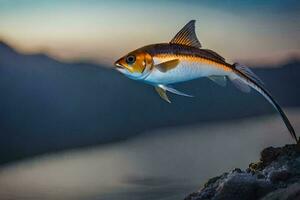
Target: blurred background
71, 127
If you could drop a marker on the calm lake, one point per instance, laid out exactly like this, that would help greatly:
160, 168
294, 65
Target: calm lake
162, 165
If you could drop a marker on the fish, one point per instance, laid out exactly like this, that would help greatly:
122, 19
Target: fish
183, 59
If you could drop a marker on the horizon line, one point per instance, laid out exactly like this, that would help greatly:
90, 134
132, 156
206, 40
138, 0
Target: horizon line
293, 56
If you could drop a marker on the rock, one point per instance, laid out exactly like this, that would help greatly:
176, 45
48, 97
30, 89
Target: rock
276, 176
279, 175
269, 154
288, 193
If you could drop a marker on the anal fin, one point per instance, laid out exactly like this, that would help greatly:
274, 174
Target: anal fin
162, 89
162, 94
220, 80
174, 91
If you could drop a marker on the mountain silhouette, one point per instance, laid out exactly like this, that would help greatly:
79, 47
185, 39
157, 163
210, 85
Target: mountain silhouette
47, 105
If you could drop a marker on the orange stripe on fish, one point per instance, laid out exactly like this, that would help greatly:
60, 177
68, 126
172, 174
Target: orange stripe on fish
196, 59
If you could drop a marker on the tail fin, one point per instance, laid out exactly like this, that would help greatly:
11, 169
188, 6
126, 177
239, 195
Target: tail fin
249, 78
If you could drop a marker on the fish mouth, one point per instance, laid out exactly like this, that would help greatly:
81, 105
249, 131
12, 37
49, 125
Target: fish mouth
119, 66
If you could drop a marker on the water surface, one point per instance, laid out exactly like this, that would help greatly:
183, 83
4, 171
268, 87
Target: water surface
164, 164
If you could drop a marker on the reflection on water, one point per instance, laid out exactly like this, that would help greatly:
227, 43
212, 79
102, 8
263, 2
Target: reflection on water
164, 165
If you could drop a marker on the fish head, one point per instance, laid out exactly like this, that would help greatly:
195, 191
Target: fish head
135, 64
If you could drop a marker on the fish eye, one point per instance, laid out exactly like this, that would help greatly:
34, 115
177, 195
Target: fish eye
130, 59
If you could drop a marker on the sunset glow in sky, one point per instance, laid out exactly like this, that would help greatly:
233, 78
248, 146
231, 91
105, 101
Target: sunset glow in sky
102, 31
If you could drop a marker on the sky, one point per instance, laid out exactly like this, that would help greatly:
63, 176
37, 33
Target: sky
102, 31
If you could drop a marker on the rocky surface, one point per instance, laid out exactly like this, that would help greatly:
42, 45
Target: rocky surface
275, 177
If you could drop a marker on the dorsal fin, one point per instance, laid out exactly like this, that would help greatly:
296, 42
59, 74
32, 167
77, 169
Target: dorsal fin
187, 36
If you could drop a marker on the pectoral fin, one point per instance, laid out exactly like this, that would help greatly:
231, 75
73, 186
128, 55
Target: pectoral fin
168, 65
162, 94
220, 80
